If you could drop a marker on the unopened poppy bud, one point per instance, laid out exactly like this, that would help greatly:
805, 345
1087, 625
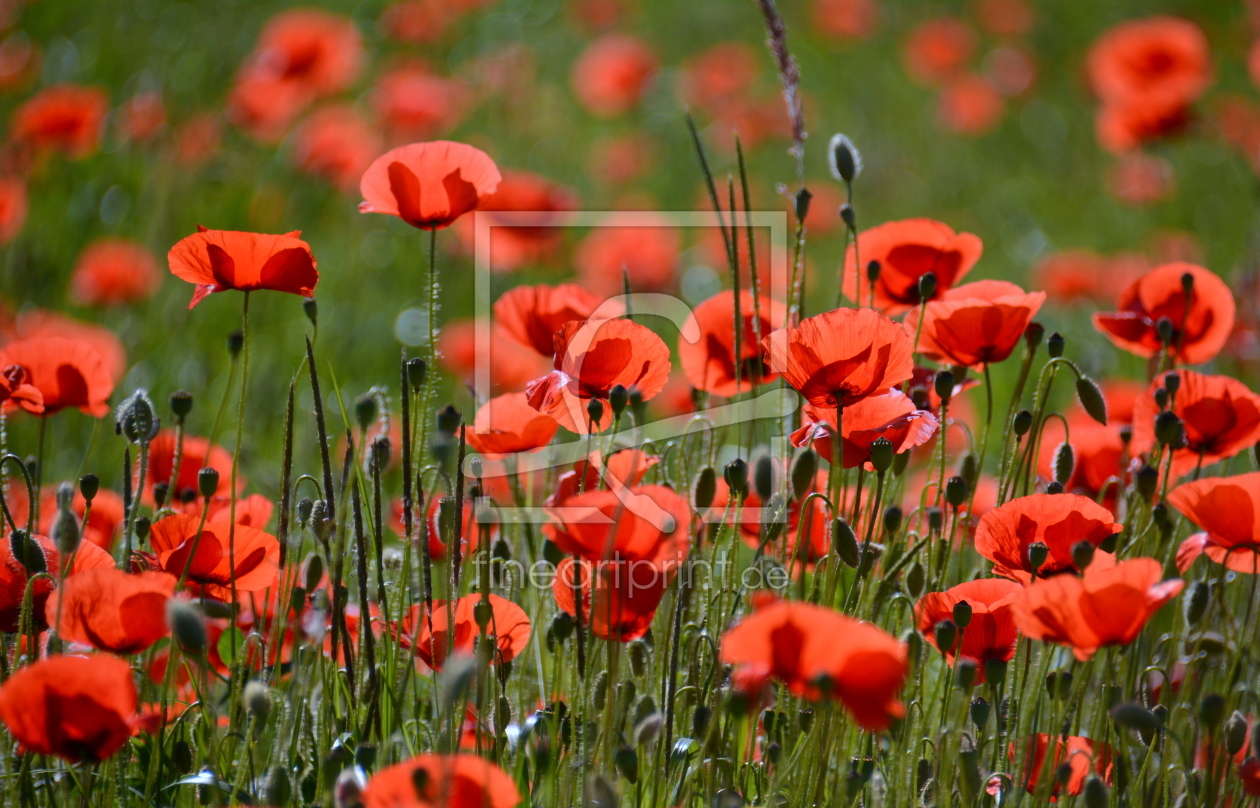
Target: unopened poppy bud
1055, 345
965, 674
1054, 487
595, 410
969, 470
311, 309
700, 721
366, 408
379, 453
304, 508
348, 789
913, 641
848, 216
763, 477
956, 491
142, 527
1159, 515
181, 404
1082, 555
1235, 732
919, 397
257, 698
892, 520
27, 551
1169, 430
1037, 553
207, 482
136, 419
946, 636
944, 385
277, 787
627, 762
1063, 774
1059, 684
873, 269
618, 398
936, 520
1212, 711
846, 161
915, 580
927, 285
65, 532
994, 671
803, 471
416, 372
1161, 397
962, 614
160, 492
89, 484
881, 454
1196, 601
802, 200
705, 488
1034, 334
1091, 398
736, 476
638, 653
1021, 423
1172, 382
235, 341
1064, 463
561, 627
1095, 793
844, 543
1187, 283
1134, 716
1164, 328
637, 405
1147, 480
64, 495
980, 712
448, 420
187, 626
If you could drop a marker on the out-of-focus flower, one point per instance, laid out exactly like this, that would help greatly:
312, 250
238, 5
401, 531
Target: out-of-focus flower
424, 21
990, 635
515, 246
1080, 755
67, 373
611, 75
334, 143
1226, 508
143, 116
415, 104
34, 323
709, 362
19, 61
508, 628
649, 254
1140, 179
220, 260
198, 139
511, 364
532, 315
970, 105
111, 610
1011, 71
619, 159
1006, 18
975, 324
12, 208
1056, 520
720, 73
112, 271
208, 556
66, 118
196, 454
1220, 415
846, 19
451, 781
906, 250
1073, 275
429, 185
938, 49
1198, 333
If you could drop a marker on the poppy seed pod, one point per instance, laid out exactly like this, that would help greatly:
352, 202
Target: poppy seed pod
802, 200
962, 614
936, 520
927, 285
916, 578
595, 410
965, 674
969, 470
1095, 793
1034, 334
846, 161
946, 633
763, 477
160, 492
1021, 423
995, 671
956, 491
187, 626
705, 488
1082, 555
1195, 601
844, 542
1055, 345
1169, 429
637, 404
736, 476
304, 508
803, 470
366, 409
448, 420
1064, 463
892, 520
181, 404
1037, 554
873, 270
207, 482
1164, 329
89, 484
235, 341
944, 383
848, 216
1147, 481
618, 398
277, 787
1172, 382
881, 454
416, 372
1161, 398
1134, 716
980, 712
1091, 398
378, 454
142, 527
311, 309
1055, 487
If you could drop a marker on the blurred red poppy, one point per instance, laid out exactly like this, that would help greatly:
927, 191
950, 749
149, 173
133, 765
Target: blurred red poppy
143, 115
1221, 417
718, 74
12, 208
975, 324
611, 75
429, 185
838, 358
103, 522
846, 19
648, 255
817, 652
257, 555
1107, 605
219, 260
33, 323
1055, 520
1075, 275
1008, 18
506, 424
450, 781
708, 363
891, 416
906, 250
78, 708
254, 510
990, 635
938, 49
111, 610
513, 246
16, 391
424, 21
414, 104
1140, 179
335, 144
114, 270
970, 105
532, 315
1080, 755
1226, 508
511, 364
196, 454
508, 625
65, 118
14, 577
1198, 333
591, 358
66, 372
628, 466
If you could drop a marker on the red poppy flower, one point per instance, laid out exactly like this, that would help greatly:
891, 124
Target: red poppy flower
1198, 334
257, 555
591, 358
1075, 275
77, 708
16, 391
1226, 509
218, 260
1081, 755
532, 315
451, 781
513, 246
719, 74
803, 646
66, 372
65, 118
111, 610
336, 145
14, 578
1220, 414
197, 454
33, 323
509, 627
103, 524
512, 365
611, 75
424, 21
970, 105
254, 510
507, 424
19, 59
628, 466
1105, 606
906, 250
114, 270
891, 415
841, 357
143, 115
317, 49
846, 19
414, 104
990, 635
1056, 520
708, 363
648, 255
429, 185
619, 598
975, 324
938, 48
12, 208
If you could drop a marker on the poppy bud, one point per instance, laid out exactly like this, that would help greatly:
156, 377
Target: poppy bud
1169, 430
311, 309
892, 520
142, 527
848, 216
416, 372
647, 728
637, 405
705, 489
763, 477
946, 636
160, 492
1055, 345
257, 698
277, 788
1054, 487
207, 482
1091, 398
1235, 732
980, 712
89, 484
1134, 716
365, 410
803, 471
136, 419
936, 520
846, 161
235, 341
873, 268
700, 721
956, 491
561, 627
378, 454
919, 397
618, 397
927, 285
881, 454
802, 200
1164, 328
844, 543
187, 626
915, 579
1037, 553
1095, 793
1159, 515
969, 470
900, 461
599, 690
1212, 711
28, 552
1172, 382
1196, 601
181, 404
1082, 555
913, 641
595, 410
483, 613
944, 385
1059, 684
962, 614
994, 671
627, 762
736, 476
638, 652
1147, 480
449, 419
1021, 423
348, 789
1034, 334
65, 532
